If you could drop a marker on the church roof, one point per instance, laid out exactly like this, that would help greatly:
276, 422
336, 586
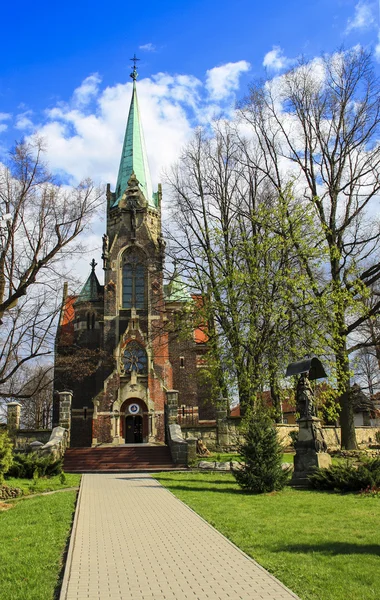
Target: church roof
133, 157
92, 291
176, 290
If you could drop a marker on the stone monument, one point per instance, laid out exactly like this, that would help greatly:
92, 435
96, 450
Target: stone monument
311, 448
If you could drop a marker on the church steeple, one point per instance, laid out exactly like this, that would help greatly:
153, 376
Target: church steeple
133, 157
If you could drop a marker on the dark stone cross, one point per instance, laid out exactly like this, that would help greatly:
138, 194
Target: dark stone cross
93, 265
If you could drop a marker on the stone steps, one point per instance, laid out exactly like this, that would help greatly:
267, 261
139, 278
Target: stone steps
118, 459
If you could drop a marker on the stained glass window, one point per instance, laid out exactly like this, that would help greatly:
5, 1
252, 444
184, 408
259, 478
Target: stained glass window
135, 358
133, 283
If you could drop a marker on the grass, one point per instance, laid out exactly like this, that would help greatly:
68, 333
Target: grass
322, 546
43, 484
231, 456
34, 534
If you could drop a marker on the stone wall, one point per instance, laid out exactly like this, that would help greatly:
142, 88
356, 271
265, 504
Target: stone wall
24, 437
209, 435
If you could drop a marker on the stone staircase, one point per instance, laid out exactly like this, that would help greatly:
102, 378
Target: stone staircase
113, 459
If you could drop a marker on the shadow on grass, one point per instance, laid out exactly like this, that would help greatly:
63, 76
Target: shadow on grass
332, 548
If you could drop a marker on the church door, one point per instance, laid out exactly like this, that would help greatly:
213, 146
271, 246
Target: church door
133, 429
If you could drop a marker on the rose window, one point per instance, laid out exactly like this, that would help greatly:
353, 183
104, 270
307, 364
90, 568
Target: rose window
135, 358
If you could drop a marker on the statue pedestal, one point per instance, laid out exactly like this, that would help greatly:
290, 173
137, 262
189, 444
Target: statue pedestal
310, 451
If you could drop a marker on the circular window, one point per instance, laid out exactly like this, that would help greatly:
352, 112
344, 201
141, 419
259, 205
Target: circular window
135, 358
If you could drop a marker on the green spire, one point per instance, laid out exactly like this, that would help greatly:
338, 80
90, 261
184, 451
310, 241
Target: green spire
92, 290
176, 290
133, 157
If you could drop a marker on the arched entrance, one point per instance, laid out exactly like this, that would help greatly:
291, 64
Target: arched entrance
134, 422
133, 429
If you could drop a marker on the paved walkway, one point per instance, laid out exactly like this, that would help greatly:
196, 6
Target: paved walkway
133, 540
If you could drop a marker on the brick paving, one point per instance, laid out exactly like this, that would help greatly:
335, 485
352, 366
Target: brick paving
132, 539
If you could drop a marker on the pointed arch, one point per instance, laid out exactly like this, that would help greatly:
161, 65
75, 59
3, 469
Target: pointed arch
134, 279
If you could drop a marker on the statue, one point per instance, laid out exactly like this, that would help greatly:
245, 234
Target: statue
133, 223
202, 450
105, 253
305, 398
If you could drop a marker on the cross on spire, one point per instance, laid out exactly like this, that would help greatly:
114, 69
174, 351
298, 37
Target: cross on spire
134, 73
93, 264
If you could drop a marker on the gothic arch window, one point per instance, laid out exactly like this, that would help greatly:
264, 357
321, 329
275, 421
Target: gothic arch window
135, 358
134, 281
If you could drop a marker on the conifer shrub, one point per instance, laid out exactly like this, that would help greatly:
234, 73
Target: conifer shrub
6, 456
33, 465
260, 469
347, 477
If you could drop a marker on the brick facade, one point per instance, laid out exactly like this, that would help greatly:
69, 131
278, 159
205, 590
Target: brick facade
116, 349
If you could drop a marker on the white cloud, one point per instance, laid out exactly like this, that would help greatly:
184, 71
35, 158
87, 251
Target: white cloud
148, 47
23, 121
377, 48
224, 80
275, 60
4, 117
87, 90
84, 136
363, 18
78, 132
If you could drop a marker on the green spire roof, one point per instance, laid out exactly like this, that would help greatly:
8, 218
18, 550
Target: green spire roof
176, 290
133, 157
92, 290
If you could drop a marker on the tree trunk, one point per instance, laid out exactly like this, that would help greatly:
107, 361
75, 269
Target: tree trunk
347, 423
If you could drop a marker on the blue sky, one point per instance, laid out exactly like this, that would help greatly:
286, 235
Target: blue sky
65, 68
48, 49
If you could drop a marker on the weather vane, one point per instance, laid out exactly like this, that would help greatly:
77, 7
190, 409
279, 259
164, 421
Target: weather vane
134, 73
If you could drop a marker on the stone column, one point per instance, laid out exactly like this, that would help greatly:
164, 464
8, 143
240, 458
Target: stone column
310, 450
13, 416
223, 437
191, 450
172, 402
95, 423
65, 399
116, 431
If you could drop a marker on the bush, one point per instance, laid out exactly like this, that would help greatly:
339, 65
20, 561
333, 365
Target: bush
347, 477
261, 468
6, 457
33, 465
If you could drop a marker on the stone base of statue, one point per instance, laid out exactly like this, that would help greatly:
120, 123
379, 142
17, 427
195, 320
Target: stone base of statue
310, 451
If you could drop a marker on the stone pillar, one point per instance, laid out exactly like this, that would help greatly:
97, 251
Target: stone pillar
310, 450
191, 450
95, 423
223, 438
65, 399
172, 403
13, 416
116, 431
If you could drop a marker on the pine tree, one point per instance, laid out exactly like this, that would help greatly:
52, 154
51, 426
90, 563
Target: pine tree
6, 458
261, 467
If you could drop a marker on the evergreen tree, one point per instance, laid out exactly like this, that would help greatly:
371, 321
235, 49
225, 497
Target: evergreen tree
261, 468
6, 458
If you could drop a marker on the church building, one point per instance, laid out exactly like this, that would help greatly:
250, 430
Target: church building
126, 327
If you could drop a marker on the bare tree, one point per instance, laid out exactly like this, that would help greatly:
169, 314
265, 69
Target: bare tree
230, 234
40, 221
319, 125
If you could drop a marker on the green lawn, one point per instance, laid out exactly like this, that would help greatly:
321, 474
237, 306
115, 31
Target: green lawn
34, 533
322, 546
44, 484
287, 457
